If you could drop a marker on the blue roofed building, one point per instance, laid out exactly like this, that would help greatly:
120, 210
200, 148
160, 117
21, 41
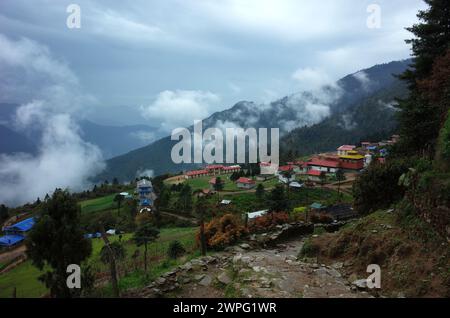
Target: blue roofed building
15, 233
146, 194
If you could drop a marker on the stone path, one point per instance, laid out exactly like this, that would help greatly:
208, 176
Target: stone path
243, 272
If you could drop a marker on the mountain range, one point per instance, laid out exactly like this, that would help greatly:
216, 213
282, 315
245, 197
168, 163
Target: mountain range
112, 140
358, 106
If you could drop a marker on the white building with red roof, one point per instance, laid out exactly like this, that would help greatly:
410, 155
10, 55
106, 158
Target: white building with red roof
245, 183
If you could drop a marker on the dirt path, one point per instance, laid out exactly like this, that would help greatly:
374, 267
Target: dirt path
9, 255
260, 273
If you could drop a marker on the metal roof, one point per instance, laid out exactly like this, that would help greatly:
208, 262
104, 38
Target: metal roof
22, 226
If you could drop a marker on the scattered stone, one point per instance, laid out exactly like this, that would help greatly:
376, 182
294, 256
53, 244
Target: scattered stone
338, 265
206, 281
245, 246
224, 278
374, 231
237, 258
291, 257
243, 271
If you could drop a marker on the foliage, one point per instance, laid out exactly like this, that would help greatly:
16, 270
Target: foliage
57, 241
321, 218
309, 249
268, 221
277, 199
118, 250
222, 231
260, 191
145, 234
175, 250
377, 187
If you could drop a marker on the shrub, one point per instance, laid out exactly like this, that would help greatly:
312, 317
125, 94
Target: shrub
222, 231
175, 250
309, 249
268, 221
321, 218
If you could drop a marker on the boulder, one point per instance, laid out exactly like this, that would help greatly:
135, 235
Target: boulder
206, 281
224, 278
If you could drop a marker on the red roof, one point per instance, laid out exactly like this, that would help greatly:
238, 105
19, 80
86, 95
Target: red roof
346, 147
212, 181
286, 168
196, 172
232, 168
315, 173
245, 180
324, 163
213, 167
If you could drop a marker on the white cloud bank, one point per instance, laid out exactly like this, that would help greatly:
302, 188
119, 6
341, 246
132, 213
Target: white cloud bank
174, 109
64, 160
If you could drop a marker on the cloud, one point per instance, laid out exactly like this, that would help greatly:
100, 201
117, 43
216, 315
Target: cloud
64, 160
364, 79
180, 108
145, 173
311, 78
144, 136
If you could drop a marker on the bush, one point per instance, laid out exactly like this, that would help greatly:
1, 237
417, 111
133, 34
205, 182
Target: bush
175, 250
377, 187
321, 218
222, 231
309, 249
268, 221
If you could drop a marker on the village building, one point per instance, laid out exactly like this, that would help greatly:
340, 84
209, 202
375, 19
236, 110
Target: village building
314, 175
196, 174
352, 161
146, 194
14, 234
327, 164
214, 169
231, 169
343, 150
245, 183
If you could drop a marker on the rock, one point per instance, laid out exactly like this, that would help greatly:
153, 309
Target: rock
246, 260
157, 291
199, 277
185, 280
245, 246
160, 280
186, 267
374, 231
257, 269
243, 271
291, 258
338, 265
224, 278
206, 281
360, 283
237, 258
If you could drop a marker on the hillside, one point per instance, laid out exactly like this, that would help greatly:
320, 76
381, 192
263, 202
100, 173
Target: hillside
373, 118
322, 110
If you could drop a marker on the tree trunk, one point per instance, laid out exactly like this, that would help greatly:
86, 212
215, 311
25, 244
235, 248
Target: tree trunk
202, 235
112, 263
145, 257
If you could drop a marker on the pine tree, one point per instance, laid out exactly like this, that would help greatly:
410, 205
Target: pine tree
57, 241
420, 119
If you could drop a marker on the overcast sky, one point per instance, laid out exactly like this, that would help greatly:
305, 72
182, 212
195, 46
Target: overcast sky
176, 60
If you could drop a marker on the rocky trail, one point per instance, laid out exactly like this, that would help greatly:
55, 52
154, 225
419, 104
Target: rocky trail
245, 271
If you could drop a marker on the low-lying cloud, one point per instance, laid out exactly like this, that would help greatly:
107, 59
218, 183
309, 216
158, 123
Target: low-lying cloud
173, 109
49, 95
